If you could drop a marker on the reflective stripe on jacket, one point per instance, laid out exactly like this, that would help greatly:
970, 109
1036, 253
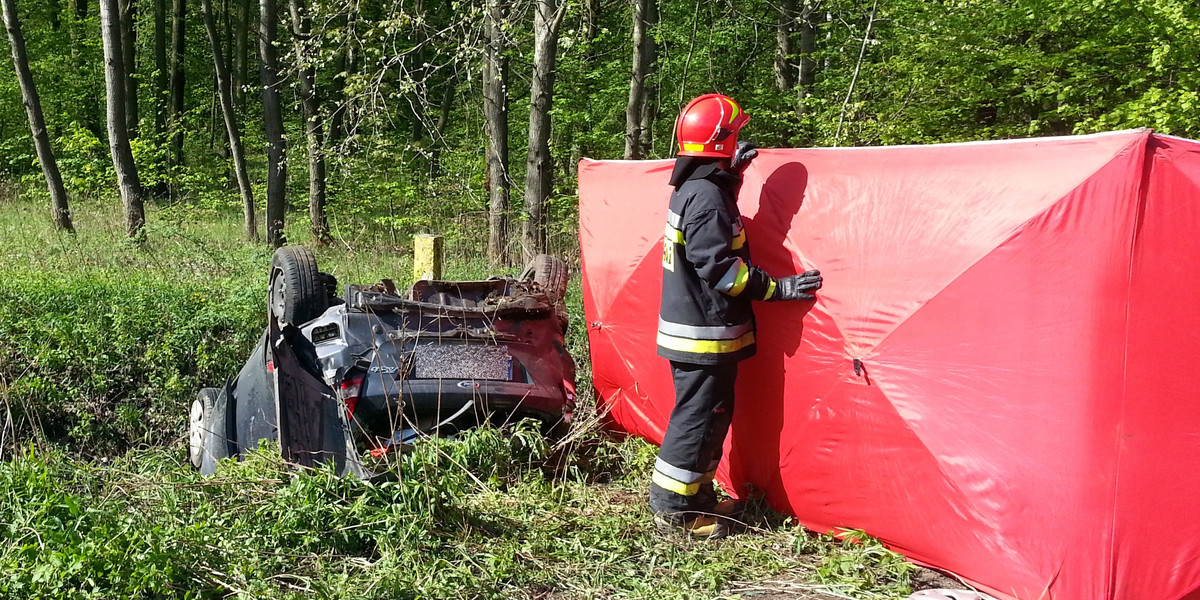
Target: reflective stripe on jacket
708, 280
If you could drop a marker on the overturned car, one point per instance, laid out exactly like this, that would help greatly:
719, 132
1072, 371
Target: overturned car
335, 376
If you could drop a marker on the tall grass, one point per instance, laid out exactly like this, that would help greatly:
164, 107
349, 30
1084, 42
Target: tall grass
102, 340
103, 343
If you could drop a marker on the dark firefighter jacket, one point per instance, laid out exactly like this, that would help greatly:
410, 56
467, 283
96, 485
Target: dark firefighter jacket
708, 282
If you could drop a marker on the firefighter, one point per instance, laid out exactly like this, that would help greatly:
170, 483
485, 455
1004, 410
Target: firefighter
706, 324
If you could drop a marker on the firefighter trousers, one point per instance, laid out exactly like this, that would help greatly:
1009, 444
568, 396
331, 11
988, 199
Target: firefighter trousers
692, 446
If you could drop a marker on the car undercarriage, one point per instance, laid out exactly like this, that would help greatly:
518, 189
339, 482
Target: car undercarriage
336, 377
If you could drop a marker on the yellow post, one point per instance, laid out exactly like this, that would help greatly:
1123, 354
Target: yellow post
427, 257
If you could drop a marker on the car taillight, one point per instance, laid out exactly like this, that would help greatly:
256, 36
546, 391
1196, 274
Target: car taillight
350, 390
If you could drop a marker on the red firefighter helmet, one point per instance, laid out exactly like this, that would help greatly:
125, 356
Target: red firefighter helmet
708, 126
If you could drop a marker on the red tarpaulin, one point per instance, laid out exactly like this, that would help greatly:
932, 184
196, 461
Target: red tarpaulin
1025, 314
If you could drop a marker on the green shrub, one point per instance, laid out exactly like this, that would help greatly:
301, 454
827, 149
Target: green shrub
146, 527
100, 359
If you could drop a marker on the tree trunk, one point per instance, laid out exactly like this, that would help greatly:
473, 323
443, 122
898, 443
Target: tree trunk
548, 16
129, 56
785, 78
314, 127
162, 91
178, 41
642, 46
338, 114
231, 126
345, 65
60, 212
227, 46
495, 109
591, 12
808, 46
272, 122
241, 68
118, 137
162, 78
649, 110
649, 103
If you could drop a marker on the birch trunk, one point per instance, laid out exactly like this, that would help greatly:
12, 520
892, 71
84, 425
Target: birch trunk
314, 127
785, 73
548, 16
495, 107
649, 102
808, 46
118, 136
634, 108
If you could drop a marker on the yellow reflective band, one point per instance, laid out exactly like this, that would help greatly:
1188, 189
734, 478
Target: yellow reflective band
770, 290
743, 277
683, 489
692, 147
679, 344
733, 105
674, 235
740, 240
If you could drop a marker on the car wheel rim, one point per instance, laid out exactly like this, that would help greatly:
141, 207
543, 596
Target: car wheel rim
196, 432
278, 293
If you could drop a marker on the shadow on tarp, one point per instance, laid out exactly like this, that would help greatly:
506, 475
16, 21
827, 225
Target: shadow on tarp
782, 196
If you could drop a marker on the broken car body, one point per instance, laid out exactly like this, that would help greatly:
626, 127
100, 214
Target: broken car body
374, 367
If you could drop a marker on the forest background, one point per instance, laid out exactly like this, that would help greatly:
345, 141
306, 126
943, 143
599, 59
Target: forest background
467, 118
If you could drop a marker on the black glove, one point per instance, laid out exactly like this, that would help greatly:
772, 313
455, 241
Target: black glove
796, 287
742, 156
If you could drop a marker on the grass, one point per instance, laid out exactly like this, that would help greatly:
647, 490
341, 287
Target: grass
102, 344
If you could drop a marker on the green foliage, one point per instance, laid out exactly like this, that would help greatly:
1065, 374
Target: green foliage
102, 358
473, 517
399, 83
853, 562
982, 70
82, 161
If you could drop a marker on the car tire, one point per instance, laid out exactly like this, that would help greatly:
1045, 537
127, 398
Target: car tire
198, 418
551, 276
549, 273
297, 291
